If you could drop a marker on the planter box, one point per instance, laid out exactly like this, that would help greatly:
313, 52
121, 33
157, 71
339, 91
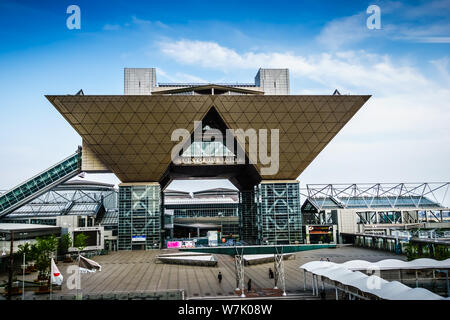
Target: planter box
42, 290
30, 269
15, 291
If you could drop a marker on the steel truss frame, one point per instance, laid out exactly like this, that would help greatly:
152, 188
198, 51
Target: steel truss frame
239, 271
62, 201
279, 271
393, 193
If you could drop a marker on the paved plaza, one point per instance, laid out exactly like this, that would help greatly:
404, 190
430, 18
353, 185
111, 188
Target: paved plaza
131, 271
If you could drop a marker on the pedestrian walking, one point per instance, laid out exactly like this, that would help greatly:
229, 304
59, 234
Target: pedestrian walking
270, 273
219, 276
249, 285
328, 259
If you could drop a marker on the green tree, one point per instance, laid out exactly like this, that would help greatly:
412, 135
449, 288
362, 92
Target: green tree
43, 250
25, 249
411, 251
66, 243
80, 241
442, 252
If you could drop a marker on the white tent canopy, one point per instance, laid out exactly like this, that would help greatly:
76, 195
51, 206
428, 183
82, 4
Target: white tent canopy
387, 264
395, 264
375, 285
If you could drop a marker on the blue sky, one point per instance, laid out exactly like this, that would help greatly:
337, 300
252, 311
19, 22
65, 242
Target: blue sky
400, 135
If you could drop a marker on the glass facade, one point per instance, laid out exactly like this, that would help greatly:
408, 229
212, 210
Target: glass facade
279, 213
49, 222
203, 210
248, 218
268, 214
223, 214
230, 228
139, 217
207, 149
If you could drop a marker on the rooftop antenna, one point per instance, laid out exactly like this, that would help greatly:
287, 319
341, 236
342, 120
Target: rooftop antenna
336, 93
80, 93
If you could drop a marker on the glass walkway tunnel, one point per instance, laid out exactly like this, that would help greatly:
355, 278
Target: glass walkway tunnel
40, 183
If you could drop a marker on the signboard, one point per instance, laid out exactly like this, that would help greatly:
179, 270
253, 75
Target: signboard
174, 244
92, 239
168, 212
188, 244
212, 238
138, 238
320, 229
95, 237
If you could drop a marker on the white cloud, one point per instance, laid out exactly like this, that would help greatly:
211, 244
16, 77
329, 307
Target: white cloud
111, 27
138, 21
441, 66
350, 70
405, 121
135, 21
143, 22
433, 39
436, 8
345, 31
180, 77
398, 22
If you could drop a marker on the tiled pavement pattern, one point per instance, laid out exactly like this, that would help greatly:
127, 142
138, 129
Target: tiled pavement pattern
139, 270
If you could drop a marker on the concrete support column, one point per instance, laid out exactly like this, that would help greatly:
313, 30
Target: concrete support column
313, 283
304, 280
417, 279
317, 285
323, 284
335, 240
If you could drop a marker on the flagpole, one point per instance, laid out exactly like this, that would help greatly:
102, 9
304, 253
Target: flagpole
23, 277
51, 274
79, 277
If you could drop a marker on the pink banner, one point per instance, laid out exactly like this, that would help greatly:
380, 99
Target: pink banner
173, 244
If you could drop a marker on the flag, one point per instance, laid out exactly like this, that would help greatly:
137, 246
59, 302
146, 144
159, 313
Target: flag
87, 265
57, 277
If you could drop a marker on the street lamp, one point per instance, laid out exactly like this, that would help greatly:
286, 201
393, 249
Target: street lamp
23, 234
23, 275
